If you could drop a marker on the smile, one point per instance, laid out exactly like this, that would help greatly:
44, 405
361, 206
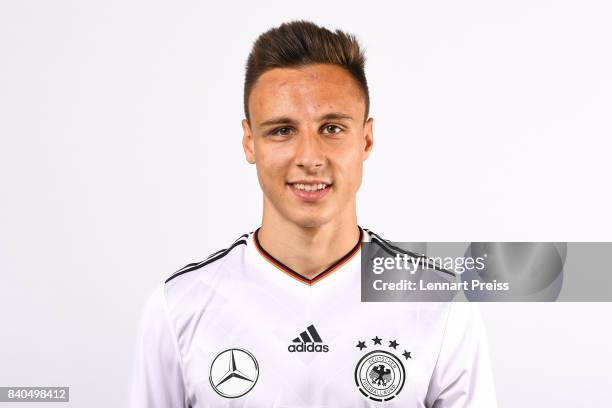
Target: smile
309, 187
310, 192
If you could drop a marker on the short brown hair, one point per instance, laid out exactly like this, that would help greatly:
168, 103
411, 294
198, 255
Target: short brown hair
300, 43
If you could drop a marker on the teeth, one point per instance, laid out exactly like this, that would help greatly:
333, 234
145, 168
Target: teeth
309, 187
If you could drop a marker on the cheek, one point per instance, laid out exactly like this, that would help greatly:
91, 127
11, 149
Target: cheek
272, 164
351, 167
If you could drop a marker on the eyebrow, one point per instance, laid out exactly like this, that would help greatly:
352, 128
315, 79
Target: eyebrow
286, 120
281, 120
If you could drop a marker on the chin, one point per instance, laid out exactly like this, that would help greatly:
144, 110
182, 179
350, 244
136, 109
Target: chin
310, 220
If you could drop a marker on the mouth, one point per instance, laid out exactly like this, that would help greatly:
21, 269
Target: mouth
310, 191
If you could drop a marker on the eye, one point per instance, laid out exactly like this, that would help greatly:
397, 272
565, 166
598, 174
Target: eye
282, 131
332, 129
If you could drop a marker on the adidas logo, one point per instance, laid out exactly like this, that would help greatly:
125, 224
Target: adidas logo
308, 341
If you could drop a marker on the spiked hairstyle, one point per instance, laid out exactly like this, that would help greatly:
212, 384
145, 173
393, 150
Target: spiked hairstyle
300, 43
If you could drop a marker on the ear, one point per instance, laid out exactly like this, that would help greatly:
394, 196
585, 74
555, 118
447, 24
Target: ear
368, 138
248, 143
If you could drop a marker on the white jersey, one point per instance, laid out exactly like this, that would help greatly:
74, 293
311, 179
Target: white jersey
240, 329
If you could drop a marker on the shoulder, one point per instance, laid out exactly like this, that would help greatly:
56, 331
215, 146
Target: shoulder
210, 262
197, 282
410, 249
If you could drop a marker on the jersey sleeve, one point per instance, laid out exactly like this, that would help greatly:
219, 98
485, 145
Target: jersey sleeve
462, 376
157, 374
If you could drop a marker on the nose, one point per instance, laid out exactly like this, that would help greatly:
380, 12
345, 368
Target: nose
310, 153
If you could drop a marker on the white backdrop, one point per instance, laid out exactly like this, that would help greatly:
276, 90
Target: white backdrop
120, 161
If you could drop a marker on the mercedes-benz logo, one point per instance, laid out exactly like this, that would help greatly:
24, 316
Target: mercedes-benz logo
233, 373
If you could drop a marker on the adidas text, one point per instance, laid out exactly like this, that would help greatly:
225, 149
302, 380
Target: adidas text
308, 347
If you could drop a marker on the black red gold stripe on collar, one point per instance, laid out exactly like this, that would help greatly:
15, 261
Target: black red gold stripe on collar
347, 257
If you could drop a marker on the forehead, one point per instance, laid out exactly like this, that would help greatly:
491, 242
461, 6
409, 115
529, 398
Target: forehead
311, 90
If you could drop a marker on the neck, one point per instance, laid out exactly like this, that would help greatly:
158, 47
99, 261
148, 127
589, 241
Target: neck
308, 250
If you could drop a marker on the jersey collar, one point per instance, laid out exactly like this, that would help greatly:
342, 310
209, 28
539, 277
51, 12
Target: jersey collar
297, 276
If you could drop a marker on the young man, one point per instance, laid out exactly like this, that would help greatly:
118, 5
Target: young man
275, 319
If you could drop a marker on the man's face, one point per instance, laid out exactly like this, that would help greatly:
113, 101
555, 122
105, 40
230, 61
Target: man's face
308, 139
